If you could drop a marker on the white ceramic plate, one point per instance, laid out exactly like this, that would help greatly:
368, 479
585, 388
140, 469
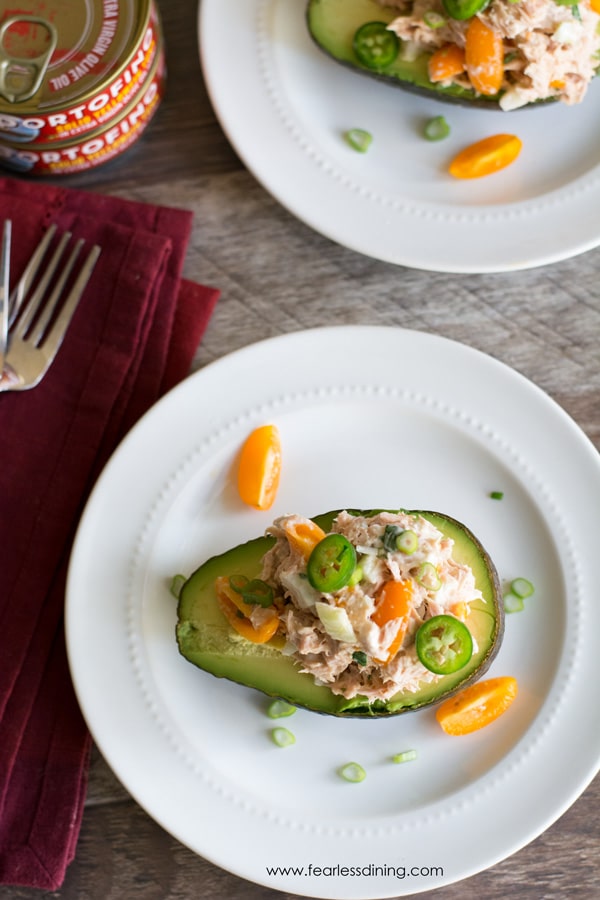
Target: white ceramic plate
284, 106
369, 417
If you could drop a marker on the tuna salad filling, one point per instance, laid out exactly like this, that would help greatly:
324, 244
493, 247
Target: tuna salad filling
522, 50
351, 604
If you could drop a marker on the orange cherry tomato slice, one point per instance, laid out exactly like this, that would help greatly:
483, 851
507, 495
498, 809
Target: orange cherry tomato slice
394, 601
477, 705
486, 156
446, 62
259, 468
238, 613
484, 58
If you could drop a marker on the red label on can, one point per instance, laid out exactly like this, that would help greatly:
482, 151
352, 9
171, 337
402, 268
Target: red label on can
84, 115
97, 148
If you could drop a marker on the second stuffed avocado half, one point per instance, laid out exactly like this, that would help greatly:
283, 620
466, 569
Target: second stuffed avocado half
334, 26
351, 613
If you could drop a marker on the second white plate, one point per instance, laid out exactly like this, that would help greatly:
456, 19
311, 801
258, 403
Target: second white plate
285, 106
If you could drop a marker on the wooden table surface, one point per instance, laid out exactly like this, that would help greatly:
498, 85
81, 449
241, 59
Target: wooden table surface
276, 275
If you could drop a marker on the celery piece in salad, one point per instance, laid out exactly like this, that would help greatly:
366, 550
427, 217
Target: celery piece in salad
336, 622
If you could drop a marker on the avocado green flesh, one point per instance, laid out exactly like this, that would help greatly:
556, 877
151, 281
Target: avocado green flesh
207, 640
332, 25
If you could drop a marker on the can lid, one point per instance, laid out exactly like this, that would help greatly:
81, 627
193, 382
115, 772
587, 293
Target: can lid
22, 76
56, 53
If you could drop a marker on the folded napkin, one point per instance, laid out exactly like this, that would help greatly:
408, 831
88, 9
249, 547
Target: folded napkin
132, 338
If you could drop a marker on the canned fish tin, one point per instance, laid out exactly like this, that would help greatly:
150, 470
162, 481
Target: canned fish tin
95, 148
67, 69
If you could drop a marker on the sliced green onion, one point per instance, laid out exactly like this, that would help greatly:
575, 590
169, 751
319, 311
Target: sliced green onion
436, 129
497, 495
257, 592
433, 19
283, 737
177, 583
353, 772
237, 583
279, 709
359, 139
407, 541
521, 587
513, 604
405, 756
359, 657
429, 577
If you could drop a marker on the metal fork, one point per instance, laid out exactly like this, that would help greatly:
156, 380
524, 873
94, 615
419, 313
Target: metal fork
39, 313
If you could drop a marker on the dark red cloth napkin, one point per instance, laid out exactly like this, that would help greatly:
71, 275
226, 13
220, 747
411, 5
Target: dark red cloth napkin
133, 337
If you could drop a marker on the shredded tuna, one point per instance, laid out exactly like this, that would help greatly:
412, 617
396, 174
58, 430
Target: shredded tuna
366, 666
551, 50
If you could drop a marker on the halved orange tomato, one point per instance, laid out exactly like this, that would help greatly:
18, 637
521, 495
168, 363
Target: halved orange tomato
259, 468
477, 705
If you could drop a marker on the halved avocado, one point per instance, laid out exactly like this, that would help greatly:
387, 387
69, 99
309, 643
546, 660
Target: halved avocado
333, 23
206, 639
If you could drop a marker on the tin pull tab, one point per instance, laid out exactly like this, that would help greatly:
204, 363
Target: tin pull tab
21, 76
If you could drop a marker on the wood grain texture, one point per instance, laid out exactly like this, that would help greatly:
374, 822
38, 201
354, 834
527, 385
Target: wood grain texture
277, 276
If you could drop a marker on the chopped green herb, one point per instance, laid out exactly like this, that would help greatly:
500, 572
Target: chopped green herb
390, 534
282, 737
522, 588
497, 495
436, 129
512, 603
359, 139
279, 709
177, 583
404, 756
353, 772
359, 657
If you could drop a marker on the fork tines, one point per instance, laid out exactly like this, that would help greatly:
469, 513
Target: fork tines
42, 304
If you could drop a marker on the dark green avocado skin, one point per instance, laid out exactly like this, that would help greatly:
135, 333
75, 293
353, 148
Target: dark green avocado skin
205, 638
332, 25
